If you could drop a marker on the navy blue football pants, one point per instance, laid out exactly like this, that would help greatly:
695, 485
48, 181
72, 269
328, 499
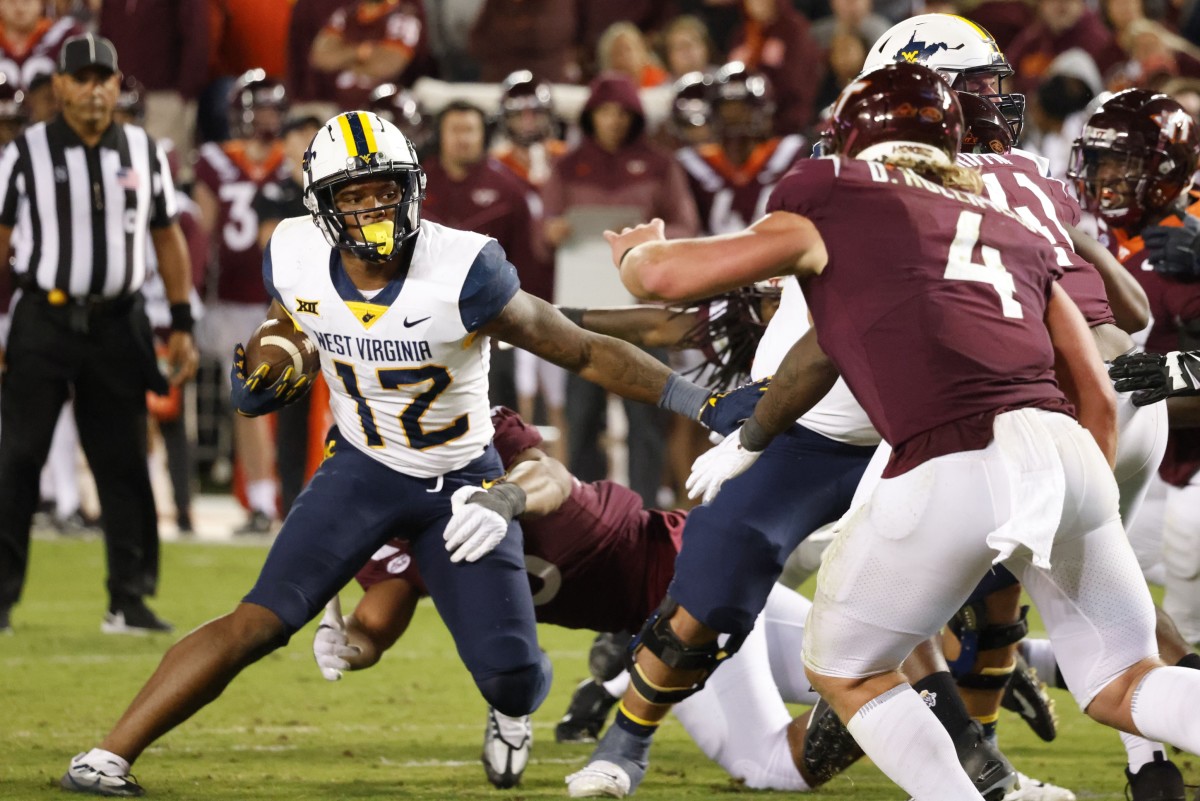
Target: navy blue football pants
734, 548
352, 506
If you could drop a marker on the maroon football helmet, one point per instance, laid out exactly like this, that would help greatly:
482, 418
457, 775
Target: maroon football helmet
901, 103
1135, 157
743, 102
13, 115
257, 106
692, 107
526, 109
401, 108
986, 129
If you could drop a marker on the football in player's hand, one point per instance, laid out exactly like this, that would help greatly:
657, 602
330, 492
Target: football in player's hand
280, 344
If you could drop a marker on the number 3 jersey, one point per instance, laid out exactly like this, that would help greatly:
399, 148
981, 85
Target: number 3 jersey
931, 303
406, 368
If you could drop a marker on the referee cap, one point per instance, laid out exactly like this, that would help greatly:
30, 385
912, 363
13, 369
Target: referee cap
87, 50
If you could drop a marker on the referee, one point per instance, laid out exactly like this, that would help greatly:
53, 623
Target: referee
77, 195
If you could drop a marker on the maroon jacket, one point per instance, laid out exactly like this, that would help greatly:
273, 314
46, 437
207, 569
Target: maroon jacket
494, 202
639, 174
536, 35
162, 42
308, 18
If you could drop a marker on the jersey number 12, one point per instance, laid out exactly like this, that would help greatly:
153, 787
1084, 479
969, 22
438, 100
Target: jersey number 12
410, 419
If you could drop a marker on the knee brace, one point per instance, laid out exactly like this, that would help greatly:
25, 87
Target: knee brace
829, 748
607, 657
976, 635
518, 692
658, 638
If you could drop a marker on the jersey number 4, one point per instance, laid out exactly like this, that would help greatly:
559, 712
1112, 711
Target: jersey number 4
410, 419
959, 266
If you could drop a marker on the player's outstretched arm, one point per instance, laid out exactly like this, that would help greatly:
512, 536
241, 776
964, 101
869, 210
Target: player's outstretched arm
536, 326
546, 481
645, 326
1128, 300
653, 268
1081, 371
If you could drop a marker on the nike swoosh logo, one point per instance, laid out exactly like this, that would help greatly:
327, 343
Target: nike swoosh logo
487, 485
407, 324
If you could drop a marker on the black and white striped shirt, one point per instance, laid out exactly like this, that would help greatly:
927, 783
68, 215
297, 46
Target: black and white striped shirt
81, 215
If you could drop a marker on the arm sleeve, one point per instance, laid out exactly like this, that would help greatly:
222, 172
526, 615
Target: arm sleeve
490, 284
9, 187
163, 205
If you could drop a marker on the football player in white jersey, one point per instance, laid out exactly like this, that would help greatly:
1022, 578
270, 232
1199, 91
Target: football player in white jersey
401, 310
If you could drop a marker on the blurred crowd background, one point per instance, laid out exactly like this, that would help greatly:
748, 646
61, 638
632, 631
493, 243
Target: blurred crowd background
525, 112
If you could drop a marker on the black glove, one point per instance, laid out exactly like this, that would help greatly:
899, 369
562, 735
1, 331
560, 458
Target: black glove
1153, 377
1174, 252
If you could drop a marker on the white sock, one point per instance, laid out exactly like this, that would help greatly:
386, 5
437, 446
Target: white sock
1040, 656
106, 762
1164, 707
1140, 750
261, 495
904, 739
617, 685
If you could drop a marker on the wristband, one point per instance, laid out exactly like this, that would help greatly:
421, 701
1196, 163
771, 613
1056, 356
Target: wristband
683, 397
505, 499
753, 437
181, 318
573, 314
623, 255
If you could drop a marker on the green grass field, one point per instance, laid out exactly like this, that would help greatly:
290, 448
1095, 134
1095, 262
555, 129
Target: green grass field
409, 728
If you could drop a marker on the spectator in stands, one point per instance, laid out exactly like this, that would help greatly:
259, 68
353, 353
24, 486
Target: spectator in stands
1060, 26
164, 43
30, 41
1058, 109
854, 17
688, 47
311, 90
542, 36
1003, 19
648, 16
370, 42
278, 199
775, 39
450, 24
623, 49
467, 190
1155, 55
843, 61
615, 165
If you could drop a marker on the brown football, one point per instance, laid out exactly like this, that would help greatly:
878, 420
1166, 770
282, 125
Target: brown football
280, 344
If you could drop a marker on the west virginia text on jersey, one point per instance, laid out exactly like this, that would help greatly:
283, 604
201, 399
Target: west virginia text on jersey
407, 375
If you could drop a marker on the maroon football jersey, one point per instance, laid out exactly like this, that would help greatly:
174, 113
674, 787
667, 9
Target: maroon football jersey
730, 197
931, 304
235, 182
1013, 180
40, 56
599, 562
1172, 303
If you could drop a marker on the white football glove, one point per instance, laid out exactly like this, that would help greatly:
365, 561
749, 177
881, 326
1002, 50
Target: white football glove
717, 465
474, 530
330, 645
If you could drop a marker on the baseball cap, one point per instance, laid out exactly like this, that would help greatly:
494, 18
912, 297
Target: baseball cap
87, 50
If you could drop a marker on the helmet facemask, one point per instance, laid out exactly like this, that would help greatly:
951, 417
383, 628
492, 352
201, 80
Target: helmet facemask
377, 232
1110, 181
988, 82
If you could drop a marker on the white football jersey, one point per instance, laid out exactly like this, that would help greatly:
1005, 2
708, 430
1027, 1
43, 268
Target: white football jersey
407, 372
837, 415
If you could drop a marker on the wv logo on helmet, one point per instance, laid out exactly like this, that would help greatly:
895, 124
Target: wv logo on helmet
919, 52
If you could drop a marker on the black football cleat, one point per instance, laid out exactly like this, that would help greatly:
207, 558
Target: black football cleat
132, 616
1159, 780
586, 714
993, 774
1026, 695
